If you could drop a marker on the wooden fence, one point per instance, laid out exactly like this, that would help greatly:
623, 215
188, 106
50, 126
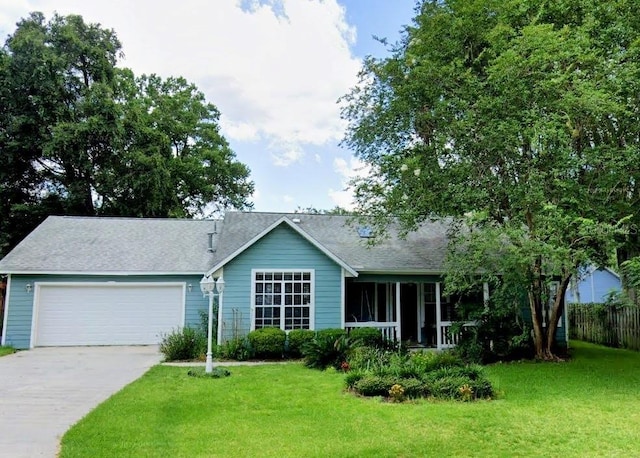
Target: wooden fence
614, 327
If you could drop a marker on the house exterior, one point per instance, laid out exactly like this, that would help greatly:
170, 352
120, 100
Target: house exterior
117, 281
592, 285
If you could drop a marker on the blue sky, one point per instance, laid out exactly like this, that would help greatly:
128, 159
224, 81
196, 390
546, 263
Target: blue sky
274, 68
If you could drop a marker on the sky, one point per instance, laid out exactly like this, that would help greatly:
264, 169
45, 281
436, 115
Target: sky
274, 68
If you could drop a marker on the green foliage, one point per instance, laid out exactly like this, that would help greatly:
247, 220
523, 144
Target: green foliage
370, 337
183, 344
238, 349
217, 372
113, 143
296, 340
328, 348
332, 333
498, 115
267, 342
399, 375
429, 361
6, 350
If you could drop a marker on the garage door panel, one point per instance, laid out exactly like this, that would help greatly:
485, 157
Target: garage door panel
107, 314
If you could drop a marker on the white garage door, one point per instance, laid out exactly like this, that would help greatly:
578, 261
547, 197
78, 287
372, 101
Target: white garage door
106, 313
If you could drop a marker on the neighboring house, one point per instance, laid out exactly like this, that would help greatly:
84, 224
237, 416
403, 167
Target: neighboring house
116, 281
593, 285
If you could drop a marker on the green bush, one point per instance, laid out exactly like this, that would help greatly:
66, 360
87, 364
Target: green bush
326, 349
374, 385
183, 344
267, 342
447, 382
427, 361
368, 337
368, 358
296, 339
332, 333
237, 349
352, 377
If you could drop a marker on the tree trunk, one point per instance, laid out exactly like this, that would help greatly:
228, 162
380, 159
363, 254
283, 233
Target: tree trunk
556, 313
535, 305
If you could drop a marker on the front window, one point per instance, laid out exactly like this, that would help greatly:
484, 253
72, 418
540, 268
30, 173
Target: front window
283, 299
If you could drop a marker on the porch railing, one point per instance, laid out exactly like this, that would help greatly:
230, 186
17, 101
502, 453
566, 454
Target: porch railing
388, 329
450, 339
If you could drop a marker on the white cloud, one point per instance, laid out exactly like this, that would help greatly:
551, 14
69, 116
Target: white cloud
318, 158
287, 199
348, 170
274, 68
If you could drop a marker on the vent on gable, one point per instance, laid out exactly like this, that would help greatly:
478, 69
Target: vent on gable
296, 220
365, 232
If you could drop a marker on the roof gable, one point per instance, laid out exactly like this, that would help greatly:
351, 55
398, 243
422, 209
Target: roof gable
282, 220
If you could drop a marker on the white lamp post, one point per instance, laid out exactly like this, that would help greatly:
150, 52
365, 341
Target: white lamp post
207, 285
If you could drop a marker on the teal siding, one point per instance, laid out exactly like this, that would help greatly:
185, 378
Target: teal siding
282, 248
20, 310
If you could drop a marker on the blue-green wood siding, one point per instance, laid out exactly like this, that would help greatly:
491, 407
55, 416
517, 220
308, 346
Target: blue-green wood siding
282, 248
20, 307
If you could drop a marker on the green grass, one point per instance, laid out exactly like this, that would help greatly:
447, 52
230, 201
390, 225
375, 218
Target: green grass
587, 407
6, 350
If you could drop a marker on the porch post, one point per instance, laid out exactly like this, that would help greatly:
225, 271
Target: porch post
398, 330
438, 317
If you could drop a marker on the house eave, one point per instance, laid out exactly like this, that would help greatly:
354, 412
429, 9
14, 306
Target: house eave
98, 273
400, 272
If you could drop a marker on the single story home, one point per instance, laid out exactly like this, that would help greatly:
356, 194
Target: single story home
122, 281
593, 285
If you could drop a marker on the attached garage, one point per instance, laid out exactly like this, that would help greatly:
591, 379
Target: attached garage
111, 313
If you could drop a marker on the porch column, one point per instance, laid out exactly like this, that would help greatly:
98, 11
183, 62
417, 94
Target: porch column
438, 317
398, 321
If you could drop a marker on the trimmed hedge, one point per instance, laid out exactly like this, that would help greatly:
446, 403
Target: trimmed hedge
296, 340
368, 337
267, 342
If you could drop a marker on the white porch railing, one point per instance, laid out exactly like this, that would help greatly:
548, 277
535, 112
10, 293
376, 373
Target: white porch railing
388, 329
449, 339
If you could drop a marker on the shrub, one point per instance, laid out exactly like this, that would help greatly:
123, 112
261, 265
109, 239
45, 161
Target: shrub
368, 337
238, 349
353, 377
332, 333
296, 339
267, 342
368, 358
427, 361
326, 349
465, 383
183, 344
374, 385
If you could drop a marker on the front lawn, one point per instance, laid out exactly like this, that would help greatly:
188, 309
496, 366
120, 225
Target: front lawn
4, 350
586, 407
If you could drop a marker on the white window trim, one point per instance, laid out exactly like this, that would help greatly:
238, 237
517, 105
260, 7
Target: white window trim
312, 305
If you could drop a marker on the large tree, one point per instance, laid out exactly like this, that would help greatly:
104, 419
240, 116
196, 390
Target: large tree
519, 120
80, 136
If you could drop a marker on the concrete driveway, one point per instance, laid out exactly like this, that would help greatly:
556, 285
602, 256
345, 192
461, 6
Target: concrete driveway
46, 390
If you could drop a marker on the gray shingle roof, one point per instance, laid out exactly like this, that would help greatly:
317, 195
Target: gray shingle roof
134, 245
113, 245
421, 251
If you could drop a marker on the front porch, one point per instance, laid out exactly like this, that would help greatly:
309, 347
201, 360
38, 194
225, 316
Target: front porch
413, 311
